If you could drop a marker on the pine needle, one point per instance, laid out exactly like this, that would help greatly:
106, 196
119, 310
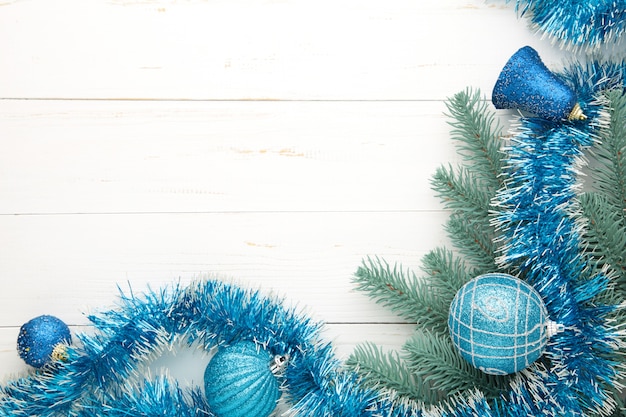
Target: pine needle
473, 241
403, 293
604, 237
447, 273
460, 191
609, 169
478, 136
386, 371
434, 359
469, 189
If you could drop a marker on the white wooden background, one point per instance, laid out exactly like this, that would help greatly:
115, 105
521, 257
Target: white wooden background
273, 143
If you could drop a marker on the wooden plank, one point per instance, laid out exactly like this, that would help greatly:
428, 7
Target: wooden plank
296, 49
67, 265
145, 157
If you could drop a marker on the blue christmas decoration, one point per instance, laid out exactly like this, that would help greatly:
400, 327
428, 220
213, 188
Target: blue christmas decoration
42, 340
238, 382
525, 83
101, 376
541, 242
575, 24
499, 323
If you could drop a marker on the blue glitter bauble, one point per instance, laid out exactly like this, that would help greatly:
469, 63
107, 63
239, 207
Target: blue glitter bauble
238, 382
525, 83
498, 323
39, 338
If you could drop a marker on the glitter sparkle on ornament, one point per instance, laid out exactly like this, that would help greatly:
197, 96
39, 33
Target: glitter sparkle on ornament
239, 381
499, 323
525, 83
41, 340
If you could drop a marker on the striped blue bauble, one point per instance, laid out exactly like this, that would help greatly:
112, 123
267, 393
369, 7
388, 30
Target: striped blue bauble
239, 382
499, 323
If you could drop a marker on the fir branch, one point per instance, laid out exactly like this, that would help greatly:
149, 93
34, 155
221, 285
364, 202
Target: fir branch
609, 169
474, 240
461, 191
402, 292
478, 134
469, 190
447, 274
434, 359
604, 237
469, 226
386, 371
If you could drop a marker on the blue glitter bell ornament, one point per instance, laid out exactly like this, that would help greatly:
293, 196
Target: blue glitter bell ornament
525, 83
499, 323
43, 340
241, 381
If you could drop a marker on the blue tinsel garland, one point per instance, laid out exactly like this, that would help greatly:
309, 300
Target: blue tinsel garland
576, 24
535, 212
541, 240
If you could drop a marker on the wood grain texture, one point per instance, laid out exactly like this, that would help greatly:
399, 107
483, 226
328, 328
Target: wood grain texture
252, 49
272, 143
121, 157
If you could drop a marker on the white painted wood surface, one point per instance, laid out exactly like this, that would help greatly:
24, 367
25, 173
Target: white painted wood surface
271, 143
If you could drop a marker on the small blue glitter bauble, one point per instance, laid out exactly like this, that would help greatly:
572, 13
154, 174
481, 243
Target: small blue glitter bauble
39, 338
238, 382
499, 323
525, 83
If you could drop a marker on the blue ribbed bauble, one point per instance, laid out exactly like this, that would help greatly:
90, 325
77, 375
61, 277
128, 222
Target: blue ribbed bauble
499, 323
525, 83
238, 382
40, 338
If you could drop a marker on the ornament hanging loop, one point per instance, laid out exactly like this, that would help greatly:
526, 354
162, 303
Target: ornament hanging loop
278, 364
552, 328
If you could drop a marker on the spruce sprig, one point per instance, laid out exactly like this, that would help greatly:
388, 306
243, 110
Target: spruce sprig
401, 291
477, 135
446, 274
474, 241
604, 207
467, 192
604, 235
460, 190
372, 360
434, 357
609, 171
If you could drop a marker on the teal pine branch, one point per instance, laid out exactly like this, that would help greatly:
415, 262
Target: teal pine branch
620, 409
468, 227
430, 368
460, 191
609, 168
386, 371
435, 360
403, 293
478, 136
474, 241
446, 273
469, 189
605, 237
